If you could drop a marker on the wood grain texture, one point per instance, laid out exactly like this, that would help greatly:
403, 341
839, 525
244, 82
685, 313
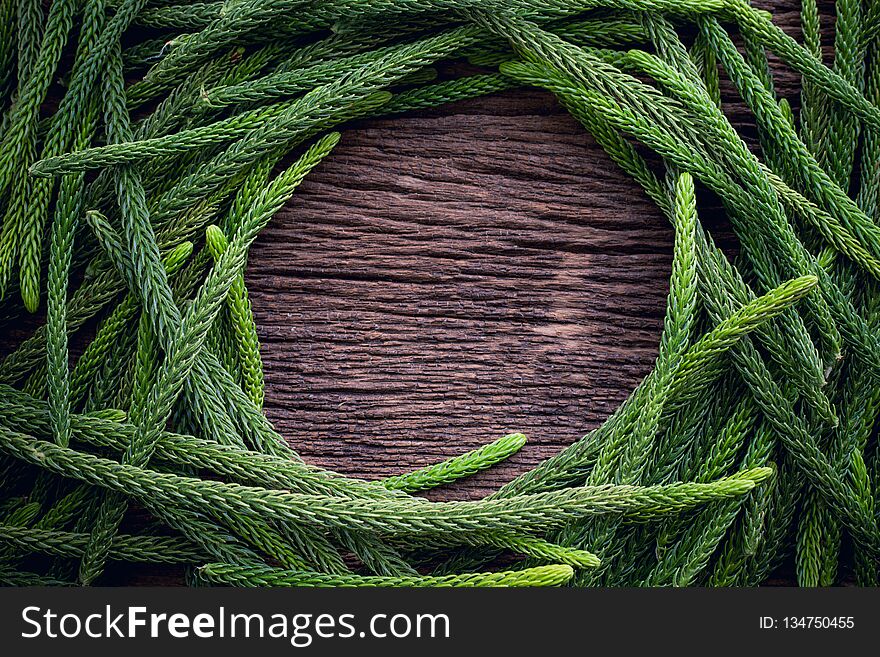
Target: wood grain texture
446, 277
489, 271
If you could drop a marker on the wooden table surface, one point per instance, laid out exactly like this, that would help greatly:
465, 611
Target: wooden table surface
446, 277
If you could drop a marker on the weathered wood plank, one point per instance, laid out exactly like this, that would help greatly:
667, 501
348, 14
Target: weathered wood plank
489, 270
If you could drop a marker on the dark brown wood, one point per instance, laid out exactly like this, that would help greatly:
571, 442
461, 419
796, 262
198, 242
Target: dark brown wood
450, 276
443, 279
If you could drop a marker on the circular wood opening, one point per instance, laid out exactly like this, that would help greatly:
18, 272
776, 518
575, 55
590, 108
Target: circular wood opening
448, 277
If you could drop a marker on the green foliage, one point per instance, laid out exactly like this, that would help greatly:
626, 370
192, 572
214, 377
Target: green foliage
753, 439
